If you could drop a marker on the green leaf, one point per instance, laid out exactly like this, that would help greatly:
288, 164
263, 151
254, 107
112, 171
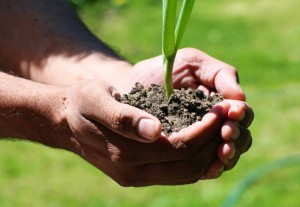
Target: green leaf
169, 24
183, 19
171, 36
168, 42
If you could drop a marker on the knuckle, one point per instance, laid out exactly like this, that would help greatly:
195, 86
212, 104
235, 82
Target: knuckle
116, 158
85, 91
121, 157
115, 154
116, 119
232, 69
181, 150
243, 106
120, 120
228, 68
85, 88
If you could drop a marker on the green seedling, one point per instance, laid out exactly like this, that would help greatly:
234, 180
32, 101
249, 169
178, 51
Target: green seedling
172, 33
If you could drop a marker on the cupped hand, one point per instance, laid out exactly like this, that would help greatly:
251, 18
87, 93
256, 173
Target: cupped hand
235, 135
193, 68
106, 133
96, 102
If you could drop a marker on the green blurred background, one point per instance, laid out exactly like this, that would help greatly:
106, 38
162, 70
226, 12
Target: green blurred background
261, 38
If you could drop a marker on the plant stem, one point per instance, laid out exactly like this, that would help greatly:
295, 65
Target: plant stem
172, 35
168, 80
168, 41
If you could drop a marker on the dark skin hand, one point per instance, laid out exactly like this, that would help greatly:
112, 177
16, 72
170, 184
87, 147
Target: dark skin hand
69, 81
69, 118
179, 159
195, 69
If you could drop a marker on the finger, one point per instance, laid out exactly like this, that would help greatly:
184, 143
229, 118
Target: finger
228, 154
208, 128
230, 131
226, 83
132, 153
241, 136
131, 122
204, 89
99, 104
244, 142
240, 112
188, 170
214, 170
214, 73
182, 172
178, 146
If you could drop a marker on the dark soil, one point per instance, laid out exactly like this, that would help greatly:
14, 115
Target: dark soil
183, 108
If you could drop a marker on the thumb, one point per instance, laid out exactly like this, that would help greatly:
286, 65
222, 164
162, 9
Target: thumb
127, 120
226, 82
132, 122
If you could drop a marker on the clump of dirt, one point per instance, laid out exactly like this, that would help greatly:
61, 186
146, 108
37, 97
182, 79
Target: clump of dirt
183, 108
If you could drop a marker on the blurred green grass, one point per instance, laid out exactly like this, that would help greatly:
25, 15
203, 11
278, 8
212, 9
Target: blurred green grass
260, 38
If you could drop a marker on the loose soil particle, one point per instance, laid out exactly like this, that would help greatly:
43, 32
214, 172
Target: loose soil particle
183, 108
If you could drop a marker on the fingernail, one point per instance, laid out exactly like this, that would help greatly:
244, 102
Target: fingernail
114, 93
232, 155
147, 129
242, 115
236, 133
162, 134
220, 172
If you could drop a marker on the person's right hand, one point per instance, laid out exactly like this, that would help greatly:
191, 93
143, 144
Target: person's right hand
195, 69
126, 143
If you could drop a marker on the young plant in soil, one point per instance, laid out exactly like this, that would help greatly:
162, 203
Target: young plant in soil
171, 36
176, 109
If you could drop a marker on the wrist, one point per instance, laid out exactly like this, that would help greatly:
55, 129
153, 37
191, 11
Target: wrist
32, 113
51, 109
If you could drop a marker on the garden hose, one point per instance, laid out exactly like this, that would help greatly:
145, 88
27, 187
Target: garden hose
256, 174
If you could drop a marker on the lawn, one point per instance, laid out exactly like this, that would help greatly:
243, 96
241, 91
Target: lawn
260, 38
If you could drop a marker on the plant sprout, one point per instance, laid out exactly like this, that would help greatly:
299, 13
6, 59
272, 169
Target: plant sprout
171, 36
